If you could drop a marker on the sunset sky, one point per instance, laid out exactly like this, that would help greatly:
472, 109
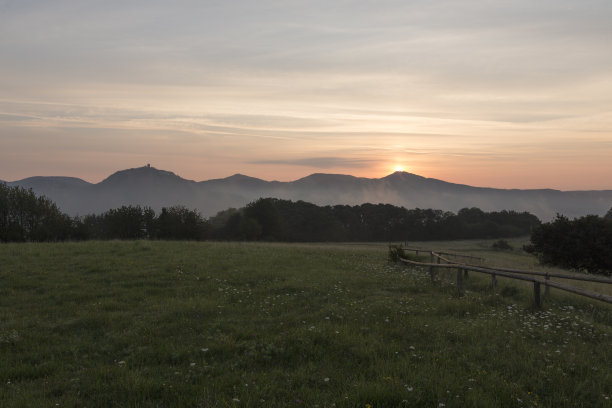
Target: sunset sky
499, 93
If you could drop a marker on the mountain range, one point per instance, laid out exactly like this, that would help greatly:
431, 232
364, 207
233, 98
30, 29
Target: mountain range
148, 186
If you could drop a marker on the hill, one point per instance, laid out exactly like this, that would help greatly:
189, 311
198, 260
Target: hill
148, 186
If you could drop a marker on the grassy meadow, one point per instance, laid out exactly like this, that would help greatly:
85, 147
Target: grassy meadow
163, 324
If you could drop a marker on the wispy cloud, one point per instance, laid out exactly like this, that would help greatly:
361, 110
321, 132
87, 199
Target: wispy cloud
309, 84
321, 162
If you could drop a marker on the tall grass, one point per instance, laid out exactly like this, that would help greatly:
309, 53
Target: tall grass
148, 324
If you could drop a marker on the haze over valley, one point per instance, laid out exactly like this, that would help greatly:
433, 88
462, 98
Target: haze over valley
148, 186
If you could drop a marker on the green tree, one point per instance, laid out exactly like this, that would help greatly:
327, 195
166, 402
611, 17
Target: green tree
178, 222
27, 217
265, 213
125, 222
582, 244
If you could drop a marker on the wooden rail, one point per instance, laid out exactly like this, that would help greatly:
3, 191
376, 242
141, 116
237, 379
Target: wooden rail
547, 275
530, 276
428, 251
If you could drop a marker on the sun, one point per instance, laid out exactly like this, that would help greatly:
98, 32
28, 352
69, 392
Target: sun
398, 168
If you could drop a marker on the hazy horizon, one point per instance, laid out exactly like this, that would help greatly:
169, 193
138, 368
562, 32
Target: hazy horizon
276, 180
490, 94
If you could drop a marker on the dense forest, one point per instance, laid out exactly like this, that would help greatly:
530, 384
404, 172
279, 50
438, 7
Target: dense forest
273, 219
25, 217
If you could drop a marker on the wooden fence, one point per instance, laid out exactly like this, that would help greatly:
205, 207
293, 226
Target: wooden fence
436, 259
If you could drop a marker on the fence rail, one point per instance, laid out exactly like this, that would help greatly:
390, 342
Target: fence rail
544, 274
530, 276
418, 250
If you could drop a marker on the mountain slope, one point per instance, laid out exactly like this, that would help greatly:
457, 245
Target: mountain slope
148, 186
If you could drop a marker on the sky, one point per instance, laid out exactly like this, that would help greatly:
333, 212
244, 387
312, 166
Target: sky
497, 93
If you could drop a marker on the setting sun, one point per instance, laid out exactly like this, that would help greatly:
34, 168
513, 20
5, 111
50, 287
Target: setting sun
398, 168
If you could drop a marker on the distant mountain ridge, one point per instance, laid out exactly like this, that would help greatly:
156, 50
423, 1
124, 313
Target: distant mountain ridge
148, 186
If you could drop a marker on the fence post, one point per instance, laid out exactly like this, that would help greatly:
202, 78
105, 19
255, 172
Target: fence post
465, 273
460, 281
431, 268
494, 281
547, 289
536, 294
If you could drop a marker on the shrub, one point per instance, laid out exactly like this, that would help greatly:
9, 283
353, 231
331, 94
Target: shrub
582, 244
502, 244
396, 252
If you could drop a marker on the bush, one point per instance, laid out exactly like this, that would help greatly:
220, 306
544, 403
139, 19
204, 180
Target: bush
502, 245
581, 244
396, 252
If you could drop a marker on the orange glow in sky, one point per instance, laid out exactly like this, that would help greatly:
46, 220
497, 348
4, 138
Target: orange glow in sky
509, 95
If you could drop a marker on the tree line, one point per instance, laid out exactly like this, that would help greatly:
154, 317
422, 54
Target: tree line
272, 219
583, 244
26, 217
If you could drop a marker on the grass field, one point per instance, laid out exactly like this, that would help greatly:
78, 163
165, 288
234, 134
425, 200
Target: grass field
161, 324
